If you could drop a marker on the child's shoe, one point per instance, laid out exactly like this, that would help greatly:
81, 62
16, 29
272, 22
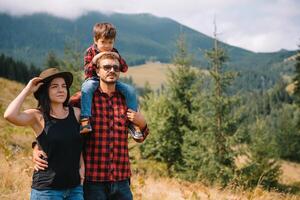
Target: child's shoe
135, 131
85, 126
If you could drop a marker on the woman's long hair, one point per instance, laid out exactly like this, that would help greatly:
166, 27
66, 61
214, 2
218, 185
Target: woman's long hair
44, 100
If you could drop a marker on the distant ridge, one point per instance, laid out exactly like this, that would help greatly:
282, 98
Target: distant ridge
141, 37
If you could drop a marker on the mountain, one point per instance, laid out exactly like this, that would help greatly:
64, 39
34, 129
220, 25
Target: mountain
140, 37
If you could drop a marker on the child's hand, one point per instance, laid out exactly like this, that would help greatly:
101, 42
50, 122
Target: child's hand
137, 118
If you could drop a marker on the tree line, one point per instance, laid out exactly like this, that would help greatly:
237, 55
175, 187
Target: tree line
17, 70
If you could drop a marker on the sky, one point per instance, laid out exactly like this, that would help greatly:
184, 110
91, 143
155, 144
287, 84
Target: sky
256, 25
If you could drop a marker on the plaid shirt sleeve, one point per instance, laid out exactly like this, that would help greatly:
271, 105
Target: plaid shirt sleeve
89, 68
75, 100
124, 66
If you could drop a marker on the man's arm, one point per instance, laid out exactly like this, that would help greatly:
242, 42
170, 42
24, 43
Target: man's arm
75, 100
138, 119
39, 158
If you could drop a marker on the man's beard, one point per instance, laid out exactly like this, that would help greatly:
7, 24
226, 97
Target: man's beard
109, 82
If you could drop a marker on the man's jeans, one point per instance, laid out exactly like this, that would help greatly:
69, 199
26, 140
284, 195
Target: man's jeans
119, 190
75, 193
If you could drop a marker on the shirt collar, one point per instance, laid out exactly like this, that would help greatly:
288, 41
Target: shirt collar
96, 48
100, 91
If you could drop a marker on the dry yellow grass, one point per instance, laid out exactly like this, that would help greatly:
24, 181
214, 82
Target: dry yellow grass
290, 88
16, 168
154, 73
291, 173
148, 188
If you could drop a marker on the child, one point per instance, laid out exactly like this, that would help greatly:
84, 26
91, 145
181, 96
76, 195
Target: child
104, 39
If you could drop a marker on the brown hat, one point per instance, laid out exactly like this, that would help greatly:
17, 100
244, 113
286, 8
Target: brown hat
51, 73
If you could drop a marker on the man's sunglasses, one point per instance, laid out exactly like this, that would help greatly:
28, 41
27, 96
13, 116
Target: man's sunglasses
109, 67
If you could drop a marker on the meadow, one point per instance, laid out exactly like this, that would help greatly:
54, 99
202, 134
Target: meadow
149, 180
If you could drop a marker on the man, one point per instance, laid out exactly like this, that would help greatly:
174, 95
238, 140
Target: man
107, 168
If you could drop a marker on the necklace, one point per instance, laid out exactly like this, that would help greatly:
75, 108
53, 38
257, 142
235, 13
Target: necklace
61, 115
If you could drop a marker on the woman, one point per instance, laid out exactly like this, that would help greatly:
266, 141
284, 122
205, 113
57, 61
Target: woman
56, 126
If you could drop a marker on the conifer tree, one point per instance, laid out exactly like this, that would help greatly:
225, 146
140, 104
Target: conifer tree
52, 60
16, 70
73, 62
169, 112
221, 123
297, 79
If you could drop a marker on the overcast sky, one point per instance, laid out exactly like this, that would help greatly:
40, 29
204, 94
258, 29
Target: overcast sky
257, 25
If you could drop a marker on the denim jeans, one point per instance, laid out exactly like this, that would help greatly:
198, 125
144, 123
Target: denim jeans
75, 193
119, 190
90, 85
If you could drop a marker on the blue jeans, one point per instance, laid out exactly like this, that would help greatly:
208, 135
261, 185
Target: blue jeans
90, 85
119, 190
75, 193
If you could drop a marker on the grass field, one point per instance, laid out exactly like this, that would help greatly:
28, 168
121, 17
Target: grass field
153, 73
149, 180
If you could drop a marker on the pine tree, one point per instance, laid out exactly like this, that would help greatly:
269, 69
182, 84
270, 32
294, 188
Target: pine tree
260, 166
52, 60
297, 79
16, 70
72, 62
220, 122
169, 112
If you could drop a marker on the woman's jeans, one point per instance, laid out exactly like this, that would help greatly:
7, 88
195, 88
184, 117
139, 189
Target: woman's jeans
75, 193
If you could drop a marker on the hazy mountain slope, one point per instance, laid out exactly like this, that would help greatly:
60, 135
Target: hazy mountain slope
140, 37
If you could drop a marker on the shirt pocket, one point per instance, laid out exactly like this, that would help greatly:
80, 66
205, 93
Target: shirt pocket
121, 120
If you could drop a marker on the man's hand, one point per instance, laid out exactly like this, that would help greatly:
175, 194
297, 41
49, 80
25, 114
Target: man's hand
137, 118
39, 158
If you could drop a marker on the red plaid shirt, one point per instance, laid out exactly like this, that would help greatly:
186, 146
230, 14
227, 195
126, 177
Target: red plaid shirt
90, 68
106, 148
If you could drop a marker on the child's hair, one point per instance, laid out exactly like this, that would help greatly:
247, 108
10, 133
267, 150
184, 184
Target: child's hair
104, 30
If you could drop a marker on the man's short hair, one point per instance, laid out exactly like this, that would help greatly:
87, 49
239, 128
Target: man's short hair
106, 55
104, 30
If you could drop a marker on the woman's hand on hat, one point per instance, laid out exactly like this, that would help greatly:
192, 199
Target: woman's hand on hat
33, 85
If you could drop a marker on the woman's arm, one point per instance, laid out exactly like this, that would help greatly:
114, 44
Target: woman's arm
13, 113
82, 169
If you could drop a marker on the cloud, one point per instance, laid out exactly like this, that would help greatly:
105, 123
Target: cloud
256, 25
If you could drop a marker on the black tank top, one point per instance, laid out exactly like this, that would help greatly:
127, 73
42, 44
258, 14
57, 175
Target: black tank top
62, 143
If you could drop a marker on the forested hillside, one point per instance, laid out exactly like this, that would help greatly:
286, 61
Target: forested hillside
141, 37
